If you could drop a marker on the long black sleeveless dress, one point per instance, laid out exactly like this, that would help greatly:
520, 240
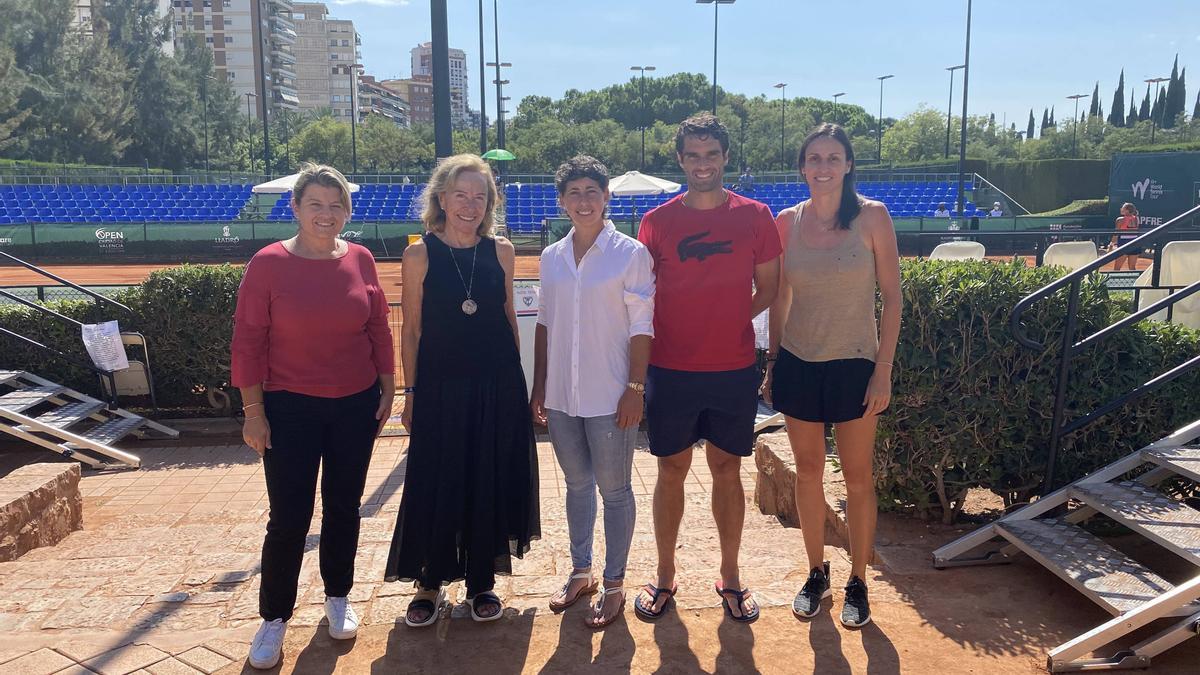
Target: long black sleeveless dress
470, 498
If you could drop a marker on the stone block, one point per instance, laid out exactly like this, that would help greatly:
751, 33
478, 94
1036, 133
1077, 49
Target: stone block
40, 505
775, 490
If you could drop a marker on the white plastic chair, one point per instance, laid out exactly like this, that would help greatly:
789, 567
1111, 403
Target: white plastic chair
1070, 254
1148, 296
958, 250
1181, 267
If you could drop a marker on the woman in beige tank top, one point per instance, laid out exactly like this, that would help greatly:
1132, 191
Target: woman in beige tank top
828, 360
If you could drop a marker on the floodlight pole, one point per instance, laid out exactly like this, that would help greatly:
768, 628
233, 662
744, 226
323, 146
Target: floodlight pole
962, 149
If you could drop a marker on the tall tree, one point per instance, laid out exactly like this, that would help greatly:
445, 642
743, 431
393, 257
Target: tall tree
1053, 124
1160, 105
1094, 109
1116, 114
1196, 110
1132, 119
1029, 127
1144, 110
1166, 112
1178, 98
1045, 120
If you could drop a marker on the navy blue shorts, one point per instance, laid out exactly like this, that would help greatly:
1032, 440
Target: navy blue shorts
820, 391
683, 407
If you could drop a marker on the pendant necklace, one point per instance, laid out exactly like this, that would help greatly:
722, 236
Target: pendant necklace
468, 307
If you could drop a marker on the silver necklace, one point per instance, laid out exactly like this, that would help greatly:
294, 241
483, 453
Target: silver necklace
468, 307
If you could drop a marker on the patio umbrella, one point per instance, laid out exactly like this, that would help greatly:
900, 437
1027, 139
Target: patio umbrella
499, 154
637, 183
285, 184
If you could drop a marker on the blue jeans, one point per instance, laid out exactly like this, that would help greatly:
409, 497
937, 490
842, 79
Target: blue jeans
595, 453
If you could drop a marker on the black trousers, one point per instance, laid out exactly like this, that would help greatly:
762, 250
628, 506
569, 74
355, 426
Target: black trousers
308, 432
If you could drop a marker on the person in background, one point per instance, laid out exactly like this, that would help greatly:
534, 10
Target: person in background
942, 211
1126, 222
996, 211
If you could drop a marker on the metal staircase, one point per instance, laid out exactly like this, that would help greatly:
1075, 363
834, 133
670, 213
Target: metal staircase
65, 421
1052, 529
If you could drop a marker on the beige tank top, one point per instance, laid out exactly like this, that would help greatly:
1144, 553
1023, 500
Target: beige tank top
832, 315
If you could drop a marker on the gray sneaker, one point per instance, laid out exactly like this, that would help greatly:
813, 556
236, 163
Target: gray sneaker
856, 612
808, 601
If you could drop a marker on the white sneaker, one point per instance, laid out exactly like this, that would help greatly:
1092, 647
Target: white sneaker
267, 645
343, 622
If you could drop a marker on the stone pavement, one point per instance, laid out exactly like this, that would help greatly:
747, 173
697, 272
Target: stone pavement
164, 576
164, 579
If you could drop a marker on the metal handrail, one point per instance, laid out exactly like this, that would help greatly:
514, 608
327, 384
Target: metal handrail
1070, 348
1006, 195
1014, 320
50, 275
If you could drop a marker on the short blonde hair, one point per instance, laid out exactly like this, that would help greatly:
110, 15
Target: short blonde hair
448, 171
325, 176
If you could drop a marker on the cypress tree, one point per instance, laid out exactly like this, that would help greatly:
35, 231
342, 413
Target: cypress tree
1094, 109
1165, 113
1053, 124
1144, 110
1196, 110
1045, 120
1116, 116
1029, 128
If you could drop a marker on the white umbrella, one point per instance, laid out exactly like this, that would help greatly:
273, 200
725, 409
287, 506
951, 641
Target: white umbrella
638, 183
285, 184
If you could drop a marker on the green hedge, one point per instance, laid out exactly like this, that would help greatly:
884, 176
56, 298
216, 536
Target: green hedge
1045, 184
186, 314
972, 408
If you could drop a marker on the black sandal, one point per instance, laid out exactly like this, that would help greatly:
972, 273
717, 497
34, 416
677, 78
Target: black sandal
483, 600
745, 616
654, 593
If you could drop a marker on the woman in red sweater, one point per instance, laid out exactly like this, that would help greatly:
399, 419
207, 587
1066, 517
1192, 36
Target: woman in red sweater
312, 355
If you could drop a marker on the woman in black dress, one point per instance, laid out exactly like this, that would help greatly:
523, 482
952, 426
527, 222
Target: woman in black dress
471, 488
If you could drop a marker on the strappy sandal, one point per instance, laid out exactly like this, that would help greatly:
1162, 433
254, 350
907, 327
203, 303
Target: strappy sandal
742, 616
482, 600
598, 608
433, 606
587, 589
653, 593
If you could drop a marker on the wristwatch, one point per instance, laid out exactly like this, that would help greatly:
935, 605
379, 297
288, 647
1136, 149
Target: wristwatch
636, 386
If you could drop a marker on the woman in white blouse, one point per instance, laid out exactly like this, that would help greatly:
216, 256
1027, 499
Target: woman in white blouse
592, 346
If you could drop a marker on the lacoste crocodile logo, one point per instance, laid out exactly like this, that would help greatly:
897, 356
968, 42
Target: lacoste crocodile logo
692, 247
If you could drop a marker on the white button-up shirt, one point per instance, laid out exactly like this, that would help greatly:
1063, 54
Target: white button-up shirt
590, 312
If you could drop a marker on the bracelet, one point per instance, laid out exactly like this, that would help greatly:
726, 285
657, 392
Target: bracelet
407, 390
772, 357
254, 418
249, 405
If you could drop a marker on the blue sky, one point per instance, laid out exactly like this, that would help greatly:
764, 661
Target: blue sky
1024, 53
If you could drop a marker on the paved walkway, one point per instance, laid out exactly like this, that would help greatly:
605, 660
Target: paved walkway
164, 579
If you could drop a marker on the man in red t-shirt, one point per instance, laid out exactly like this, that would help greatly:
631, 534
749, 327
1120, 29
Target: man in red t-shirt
716, 259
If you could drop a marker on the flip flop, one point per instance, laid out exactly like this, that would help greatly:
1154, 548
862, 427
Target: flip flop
746, 617
485, 598
432, 606
587, 589
653, 592
599, 606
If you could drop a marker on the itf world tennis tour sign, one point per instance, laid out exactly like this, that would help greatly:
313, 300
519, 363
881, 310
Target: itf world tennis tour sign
1161, 185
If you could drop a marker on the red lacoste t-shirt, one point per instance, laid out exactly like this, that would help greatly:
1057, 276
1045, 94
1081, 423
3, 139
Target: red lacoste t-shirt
704, 265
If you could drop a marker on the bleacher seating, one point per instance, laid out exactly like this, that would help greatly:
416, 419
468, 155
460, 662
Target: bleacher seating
904, 199
527, 205
372, 203
121, 203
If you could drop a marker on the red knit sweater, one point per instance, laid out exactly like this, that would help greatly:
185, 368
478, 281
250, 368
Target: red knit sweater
315, 327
